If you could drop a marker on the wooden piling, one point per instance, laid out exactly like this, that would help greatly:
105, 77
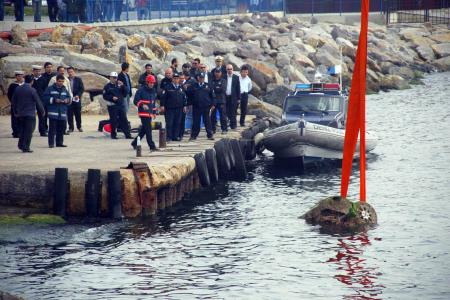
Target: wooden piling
61, 191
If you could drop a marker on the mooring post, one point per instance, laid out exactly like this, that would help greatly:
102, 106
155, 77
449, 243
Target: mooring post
61, 190
93, 192
114, 195
162, 138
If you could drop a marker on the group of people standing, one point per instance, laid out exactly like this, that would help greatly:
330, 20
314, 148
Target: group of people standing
55, 96
192, 95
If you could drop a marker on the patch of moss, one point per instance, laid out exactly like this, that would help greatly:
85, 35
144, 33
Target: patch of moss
31, 219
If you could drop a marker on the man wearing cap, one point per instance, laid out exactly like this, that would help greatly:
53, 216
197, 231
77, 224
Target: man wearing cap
77, 86
219, 86
143, 77
11, 90
42, 85
202, 104
57, 99
233, 93
246, 86
220, 66
25, 101
173, 102
144, 99
114, 93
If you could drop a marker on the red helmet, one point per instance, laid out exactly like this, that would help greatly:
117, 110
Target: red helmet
150, 79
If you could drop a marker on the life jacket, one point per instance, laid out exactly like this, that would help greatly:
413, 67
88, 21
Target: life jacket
145, 95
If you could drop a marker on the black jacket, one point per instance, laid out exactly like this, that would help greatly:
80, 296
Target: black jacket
122, 78
219, 87
201, 95
188, 91
173, 97
113, 90
25, 101
143, 79
56, 111
193, 73
11, 89
145, 95
222, 69
78, 87
43, 83
235, 87
165, 83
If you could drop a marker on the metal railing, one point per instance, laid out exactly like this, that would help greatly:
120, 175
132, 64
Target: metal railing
313, 7
418, 11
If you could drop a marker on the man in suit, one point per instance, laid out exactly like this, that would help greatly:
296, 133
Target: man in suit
42, 84
233, 93
125, 78
77, 86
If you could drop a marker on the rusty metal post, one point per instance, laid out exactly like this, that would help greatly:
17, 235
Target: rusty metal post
162, 138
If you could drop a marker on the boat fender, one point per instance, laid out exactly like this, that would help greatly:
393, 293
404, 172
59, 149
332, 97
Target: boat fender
301, 127
61, 190
114, 194
248, 148
240, 171
230, 153
211, 162
223, 160
93, 192
202, 169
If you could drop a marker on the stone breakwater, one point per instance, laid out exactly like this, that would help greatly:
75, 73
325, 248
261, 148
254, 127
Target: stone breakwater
281, 51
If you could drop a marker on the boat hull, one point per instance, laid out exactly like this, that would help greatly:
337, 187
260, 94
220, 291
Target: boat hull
310, 140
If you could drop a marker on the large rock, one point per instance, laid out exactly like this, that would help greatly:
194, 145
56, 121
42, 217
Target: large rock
247, 28
154, 45
109, 37
276, 96
146, 53
11, 63
404, 72
396, 82
96, 107
8, 49
135, 40
295, 75
93, 40
93, 82
279, 41
348, 49
425, 52
442, 64
57, 34
247, 50
345, 32
303, 60
236, 62
323, 57
76, 35
165, 45
19, 35
441, 37
282, 60
262, 109
180, 56
441, 50
91, 63
264, 73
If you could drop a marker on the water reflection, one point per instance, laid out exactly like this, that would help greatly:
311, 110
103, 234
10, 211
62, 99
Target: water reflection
353, 270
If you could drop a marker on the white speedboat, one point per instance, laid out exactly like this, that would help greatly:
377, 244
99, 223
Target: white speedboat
310, 140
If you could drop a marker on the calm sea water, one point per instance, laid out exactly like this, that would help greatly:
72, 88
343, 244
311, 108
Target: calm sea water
245, 240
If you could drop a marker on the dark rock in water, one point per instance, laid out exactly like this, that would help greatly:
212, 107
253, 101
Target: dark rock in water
277, 95
336, 214
6, 296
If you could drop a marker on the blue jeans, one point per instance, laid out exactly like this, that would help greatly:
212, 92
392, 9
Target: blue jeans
117, 9
37, 5
107, 10
142, 13
18, 10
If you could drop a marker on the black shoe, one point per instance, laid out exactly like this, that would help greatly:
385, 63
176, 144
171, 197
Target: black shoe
114, 137
16, 136
51, 146
211, 138
133, 144
129, 137
66, 133
80, 129
27, 151
224, 132
62, 146
154, 149
44, 134
242, 125
71, 130
192, 138
177, 139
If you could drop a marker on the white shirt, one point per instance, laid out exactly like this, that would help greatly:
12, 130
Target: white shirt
229, 80
206, 77
246, 84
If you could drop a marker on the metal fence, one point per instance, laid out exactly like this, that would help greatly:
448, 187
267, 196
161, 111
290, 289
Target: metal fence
331, 6
418, 11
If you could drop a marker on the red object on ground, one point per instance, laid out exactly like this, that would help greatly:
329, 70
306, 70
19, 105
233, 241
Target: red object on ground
356, 116
107, 129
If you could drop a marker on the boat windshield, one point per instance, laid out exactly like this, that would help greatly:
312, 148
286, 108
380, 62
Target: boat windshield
313, 103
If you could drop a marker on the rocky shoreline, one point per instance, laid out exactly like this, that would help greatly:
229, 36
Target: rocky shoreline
281, 52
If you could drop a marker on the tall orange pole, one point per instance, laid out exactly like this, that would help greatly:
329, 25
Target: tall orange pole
357, 111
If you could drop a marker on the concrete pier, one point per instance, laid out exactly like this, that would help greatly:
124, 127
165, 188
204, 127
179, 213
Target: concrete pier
28, 179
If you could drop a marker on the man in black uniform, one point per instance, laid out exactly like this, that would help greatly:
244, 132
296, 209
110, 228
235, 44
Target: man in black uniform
220, 66
166, 82
202, 105
77, 87
173, 102
195, 68
143, 77
11, 89
233, 94
125, 79
218, 86
114, 92
42, 85
25, 101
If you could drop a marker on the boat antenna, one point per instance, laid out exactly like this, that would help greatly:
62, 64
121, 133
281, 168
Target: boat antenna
340, 73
